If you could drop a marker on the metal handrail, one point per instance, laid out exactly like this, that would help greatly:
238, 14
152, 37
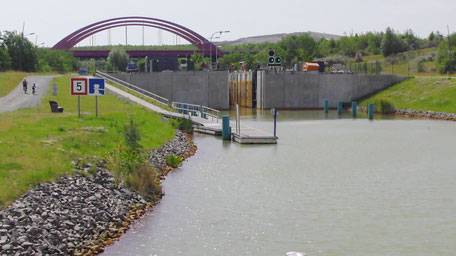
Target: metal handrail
198, 110
155, 97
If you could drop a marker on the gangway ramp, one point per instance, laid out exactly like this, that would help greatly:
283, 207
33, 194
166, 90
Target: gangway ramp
204, 119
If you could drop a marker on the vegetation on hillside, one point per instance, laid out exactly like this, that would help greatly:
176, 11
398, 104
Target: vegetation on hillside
423, 93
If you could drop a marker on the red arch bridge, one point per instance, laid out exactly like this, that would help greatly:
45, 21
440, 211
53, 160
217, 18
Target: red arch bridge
203, 45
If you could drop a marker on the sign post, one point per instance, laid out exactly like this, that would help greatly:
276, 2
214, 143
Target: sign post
79, 87
87, 86
96, 87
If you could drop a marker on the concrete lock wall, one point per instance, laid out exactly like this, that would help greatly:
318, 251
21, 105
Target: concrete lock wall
201, 88
293, 90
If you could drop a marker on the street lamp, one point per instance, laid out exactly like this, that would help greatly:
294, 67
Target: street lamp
220, 32
216, 53
22, 46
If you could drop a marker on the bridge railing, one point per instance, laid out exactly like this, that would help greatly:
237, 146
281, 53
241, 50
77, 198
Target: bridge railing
157, 98
196, 110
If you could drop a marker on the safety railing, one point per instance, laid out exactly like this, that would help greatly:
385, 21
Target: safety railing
157, 98
196, 110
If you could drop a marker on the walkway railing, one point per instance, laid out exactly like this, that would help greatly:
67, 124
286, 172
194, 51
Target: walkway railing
196, 110
157, 98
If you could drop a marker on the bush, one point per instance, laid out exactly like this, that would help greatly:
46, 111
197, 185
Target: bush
183, 124
173, 161
420, 67
146, 181
129, 164
385, 106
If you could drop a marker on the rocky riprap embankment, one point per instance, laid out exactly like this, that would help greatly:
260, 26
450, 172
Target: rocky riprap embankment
181, 145
77, 215
426, 114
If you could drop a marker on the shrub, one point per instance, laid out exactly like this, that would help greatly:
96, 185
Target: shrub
145, 181
420, 67
385, 106
129, 164
173, 161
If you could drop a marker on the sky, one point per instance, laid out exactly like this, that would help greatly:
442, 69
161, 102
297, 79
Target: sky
52, 20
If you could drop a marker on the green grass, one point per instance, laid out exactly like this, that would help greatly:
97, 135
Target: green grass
38, 146
428, 94
9, 80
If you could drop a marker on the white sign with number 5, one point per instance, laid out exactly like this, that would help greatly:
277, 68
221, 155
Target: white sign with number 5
78, 86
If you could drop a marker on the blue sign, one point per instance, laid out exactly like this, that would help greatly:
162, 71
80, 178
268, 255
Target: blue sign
97, 86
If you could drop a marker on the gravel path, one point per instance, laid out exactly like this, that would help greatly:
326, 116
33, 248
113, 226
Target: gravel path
16, 99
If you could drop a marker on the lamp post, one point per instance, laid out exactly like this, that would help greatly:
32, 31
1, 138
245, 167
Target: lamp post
22, 46
216, 53
220, 32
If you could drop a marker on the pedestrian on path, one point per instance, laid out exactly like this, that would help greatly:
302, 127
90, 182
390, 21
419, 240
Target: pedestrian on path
33, 88
24, 85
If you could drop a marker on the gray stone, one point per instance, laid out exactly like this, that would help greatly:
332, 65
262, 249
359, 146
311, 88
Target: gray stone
7, 247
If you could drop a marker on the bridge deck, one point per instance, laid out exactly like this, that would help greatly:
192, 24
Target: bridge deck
247, 135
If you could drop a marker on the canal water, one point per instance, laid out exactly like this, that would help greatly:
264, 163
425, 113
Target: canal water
331, 186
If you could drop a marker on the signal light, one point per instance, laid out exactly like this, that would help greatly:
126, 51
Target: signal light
278, 60
271, 53
271, 60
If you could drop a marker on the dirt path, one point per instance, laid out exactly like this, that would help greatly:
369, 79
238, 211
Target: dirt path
16, 99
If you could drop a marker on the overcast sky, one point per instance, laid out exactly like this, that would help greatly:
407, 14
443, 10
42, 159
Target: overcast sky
51, 20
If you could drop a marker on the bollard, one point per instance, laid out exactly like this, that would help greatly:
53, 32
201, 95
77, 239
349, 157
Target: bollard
370, 111
226, 129
354, 110
326, 106
339, 107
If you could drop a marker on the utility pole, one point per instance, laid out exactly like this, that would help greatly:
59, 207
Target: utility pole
126, 36
22, 47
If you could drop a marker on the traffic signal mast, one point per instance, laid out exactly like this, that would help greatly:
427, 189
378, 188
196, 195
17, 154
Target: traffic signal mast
274, 61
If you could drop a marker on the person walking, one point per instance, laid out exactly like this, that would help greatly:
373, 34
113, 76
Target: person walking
24, 85
33, 88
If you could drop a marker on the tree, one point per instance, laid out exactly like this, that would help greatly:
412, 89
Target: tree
431, 36
21, 51
391, 44
307, 46
411, 41
445, 64
5, 60
118, 58
55, 60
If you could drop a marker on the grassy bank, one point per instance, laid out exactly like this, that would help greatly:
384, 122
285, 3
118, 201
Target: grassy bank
9, 80
38, 146
422, 93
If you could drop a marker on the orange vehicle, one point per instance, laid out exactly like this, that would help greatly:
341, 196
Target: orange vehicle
310, 66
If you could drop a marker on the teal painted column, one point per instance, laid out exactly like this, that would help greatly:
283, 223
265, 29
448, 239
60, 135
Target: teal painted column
339, 107
226, 129
354, 110
326, 106
370, 111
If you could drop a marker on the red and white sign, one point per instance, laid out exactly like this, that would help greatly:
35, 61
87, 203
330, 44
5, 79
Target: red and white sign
79, 86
